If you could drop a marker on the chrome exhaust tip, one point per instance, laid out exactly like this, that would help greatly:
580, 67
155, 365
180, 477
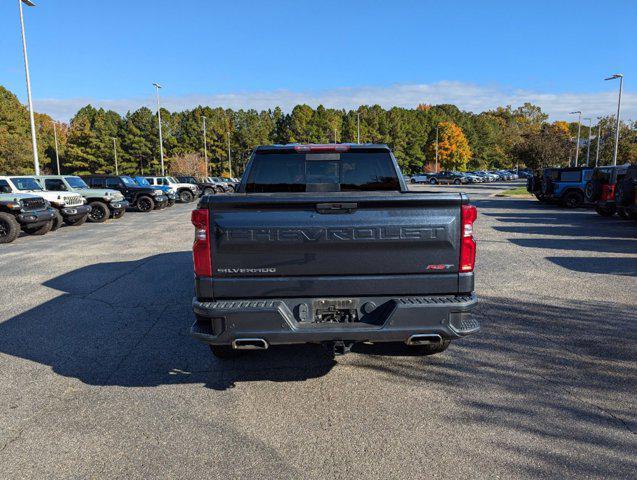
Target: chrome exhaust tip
250, 344
424, 339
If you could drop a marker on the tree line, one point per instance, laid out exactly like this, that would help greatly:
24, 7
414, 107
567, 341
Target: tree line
501, 138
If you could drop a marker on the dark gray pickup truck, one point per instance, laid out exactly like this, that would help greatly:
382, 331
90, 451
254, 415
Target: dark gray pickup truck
325, 244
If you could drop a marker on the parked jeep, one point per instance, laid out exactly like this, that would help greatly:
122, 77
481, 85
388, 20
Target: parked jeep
144, 199
223, 186
205, 185
626, 194
18, 211
169, 192
70, 208
565, 186
186, 192
104, 203
600, 190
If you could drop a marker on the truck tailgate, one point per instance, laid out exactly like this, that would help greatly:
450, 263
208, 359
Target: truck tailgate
273, 245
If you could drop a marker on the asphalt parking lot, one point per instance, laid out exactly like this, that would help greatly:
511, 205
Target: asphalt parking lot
99, 377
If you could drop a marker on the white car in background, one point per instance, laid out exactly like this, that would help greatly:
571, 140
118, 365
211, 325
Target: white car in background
420, 178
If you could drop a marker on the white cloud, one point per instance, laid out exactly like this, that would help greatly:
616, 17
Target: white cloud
470, 97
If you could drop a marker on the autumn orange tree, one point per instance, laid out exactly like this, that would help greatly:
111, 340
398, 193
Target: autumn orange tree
453, 148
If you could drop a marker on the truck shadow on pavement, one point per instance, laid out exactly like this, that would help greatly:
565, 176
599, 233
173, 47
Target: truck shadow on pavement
128, 324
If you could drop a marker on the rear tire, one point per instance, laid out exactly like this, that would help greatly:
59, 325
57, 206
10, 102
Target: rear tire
432, 348
433, 181
9, 228
573, 200
457, 181
99, 212
77, 221
145, 204
209, 191
42, 230
224, 352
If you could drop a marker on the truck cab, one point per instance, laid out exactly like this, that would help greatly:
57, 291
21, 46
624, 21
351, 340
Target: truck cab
19, 211
70, 208
104, 202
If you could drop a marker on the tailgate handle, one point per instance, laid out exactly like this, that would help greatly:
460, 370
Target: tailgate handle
336, 207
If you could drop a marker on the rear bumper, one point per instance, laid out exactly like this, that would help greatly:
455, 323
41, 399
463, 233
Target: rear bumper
281, 321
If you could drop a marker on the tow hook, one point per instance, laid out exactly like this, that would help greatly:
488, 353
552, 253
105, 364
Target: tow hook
340, 347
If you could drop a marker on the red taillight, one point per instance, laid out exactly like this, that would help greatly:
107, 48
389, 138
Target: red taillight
332, 147
608, 192
201, 247
467, 242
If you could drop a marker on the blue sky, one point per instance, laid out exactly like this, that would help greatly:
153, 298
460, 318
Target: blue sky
476, 54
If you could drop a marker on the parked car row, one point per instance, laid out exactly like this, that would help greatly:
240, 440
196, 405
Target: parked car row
462, 178
608, 189
38, 204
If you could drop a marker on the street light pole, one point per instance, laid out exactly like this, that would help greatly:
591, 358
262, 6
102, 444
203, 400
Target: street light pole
579, 126
36, 160
115, 154
619, 103
599, 138
57, 156
161, 142
588, 147
436, 169
358, 126
205, 145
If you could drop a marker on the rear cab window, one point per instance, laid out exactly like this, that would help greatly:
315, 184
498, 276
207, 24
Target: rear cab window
292, 171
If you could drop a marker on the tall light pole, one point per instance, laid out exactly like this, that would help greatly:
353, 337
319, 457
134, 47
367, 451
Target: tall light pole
358, 126
115, 155
436, 169
599, 139
55, 137
229, 156
334, 134
579, 126
161, 141
619, 104
36, 160
588, 147
205, 145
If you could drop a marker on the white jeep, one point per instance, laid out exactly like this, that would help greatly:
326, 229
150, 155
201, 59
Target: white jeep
70, 208
186, 192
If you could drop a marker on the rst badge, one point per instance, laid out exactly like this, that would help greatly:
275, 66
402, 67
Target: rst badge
440, 266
